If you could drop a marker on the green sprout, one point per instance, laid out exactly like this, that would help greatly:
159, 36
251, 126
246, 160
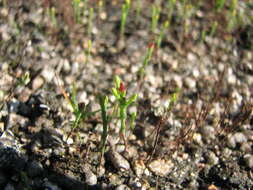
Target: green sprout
119, 92
155, 17
77, 10
170, 6
52, 14
80, 111
103, 101
219, 5
88, 51
147, 59
213, 28
161, 34
90, 21
124, 12
24, 80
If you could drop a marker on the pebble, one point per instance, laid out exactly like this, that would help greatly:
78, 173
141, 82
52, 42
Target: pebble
90, 177
212, 158
248, 158
190, 82
118, 161
161, 167
237, 138
37, 83
208, 133
122, 187
139, 167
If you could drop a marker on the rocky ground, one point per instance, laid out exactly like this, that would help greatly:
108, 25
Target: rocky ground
204, 142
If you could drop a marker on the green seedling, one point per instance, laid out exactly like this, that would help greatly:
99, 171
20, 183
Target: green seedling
170, 7
77, 10
155, 18
161, 34
213, 28
80, 111
124, 13
88, 51
52, 14
219, 5
232, 15
90, 21
203, 36
119, 92
103, 102
147, 59
163, 112
24, 80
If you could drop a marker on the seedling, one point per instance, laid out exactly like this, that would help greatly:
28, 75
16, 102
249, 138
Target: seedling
124, 12
88, 51
147, 59
170, 6
161, 34
77, 9
52, 14
119, 92
165, 111
155, 17
213, 28
103, 101
90, 21
219, 5
24, 80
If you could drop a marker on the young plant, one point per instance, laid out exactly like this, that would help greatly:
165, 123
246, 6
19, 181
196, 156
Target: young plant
103, 102
52, 15
213, 28
119, 92
155, 18
161, 34
88, 51
124, 12
147, 59
219, 5
90, 21
170, 6
77, 10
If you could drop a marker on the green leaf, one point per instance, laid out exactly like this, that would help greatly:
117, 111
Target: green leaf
116, 93
131, 99
117, 82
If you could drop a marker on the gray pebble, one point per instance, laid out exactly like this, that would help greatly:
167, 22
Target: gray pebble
118, 161
90, 177
122, 187
248, 158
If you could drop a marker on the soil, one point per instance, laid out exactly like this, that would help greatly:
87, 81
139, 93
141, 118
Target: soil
203, 142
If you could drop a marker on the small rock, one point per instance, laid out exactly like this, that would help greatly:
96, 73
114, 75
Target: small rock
161, 167
208, 132
237, 138
212, 158
122, 187
248, 158
37, 83
90, 177
190, 83
50, 186
139, 167
118, 161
